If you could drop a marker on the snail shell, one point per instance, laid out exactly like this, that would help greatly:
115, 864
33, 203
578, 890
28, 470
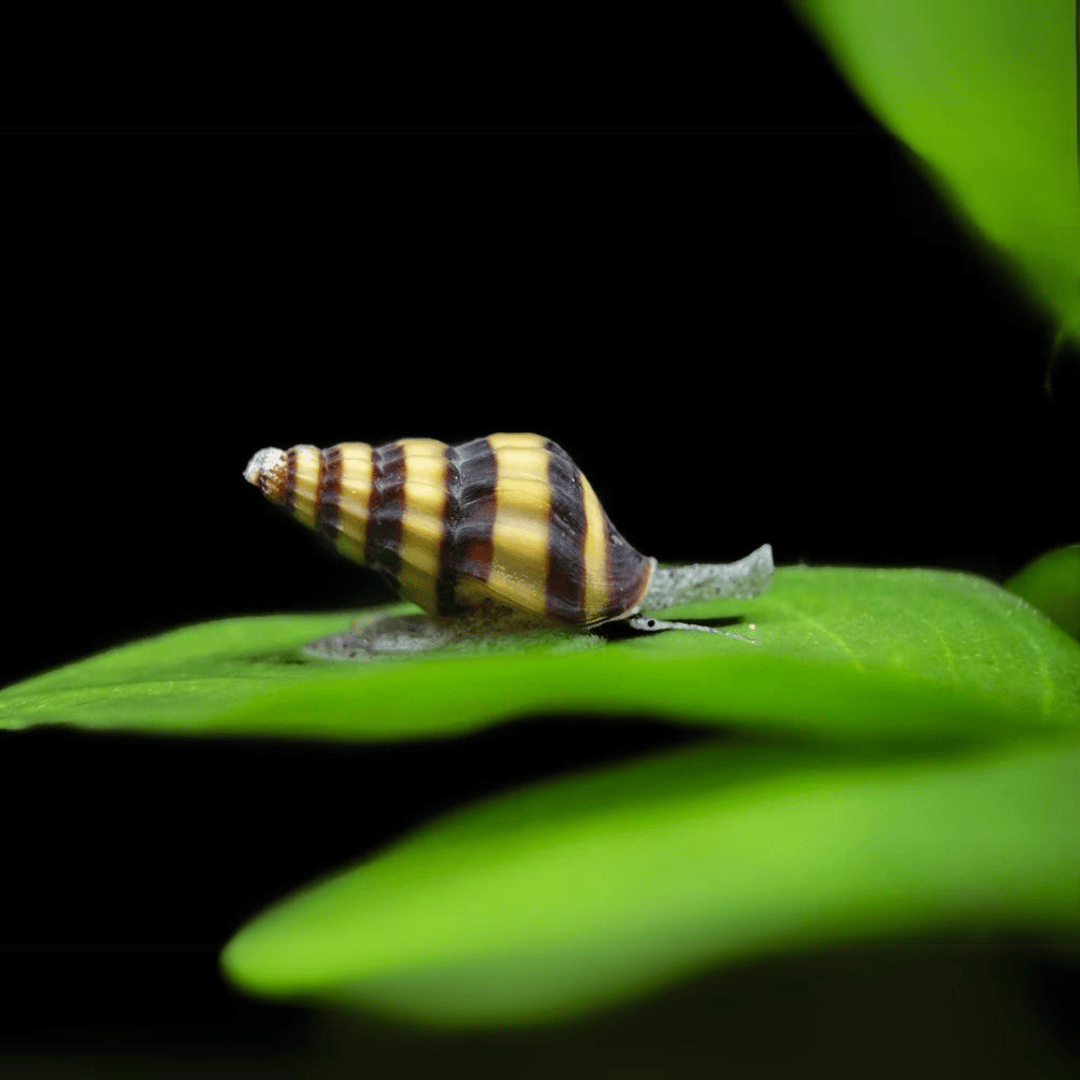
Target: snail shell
507, 520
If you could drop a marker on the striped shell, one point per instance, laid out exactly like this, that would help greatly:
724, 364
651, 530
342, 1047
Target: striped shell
509, 520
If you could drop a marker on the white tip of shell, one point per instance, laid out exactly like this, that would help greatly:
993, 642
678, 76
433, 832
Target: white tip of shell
265, 461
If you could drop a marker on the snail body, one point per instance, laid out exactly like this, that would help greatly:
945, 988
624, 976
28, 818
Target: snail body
500, 531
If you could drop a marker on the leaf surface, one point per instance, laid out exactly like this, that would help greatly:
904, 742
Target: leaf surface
1052, 584
826, 653
984, 91
583, 891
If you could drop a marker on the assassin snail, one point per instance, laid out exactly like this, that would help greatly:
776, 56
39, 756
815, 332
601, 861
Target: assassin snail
497, 534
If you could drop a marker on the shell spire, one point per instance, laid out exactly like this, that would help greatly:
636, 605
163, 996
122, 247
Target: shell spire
508, 520
268, 472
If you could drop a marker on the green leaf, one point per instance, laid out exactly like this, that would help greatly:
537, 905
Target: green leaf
1052, 584
984, 91
826, 653
580, 892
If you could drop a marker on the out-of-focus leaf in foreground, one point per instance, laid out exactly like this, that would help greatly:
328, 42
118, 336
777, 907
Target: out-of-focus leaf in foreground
566, 896
826, 653
984, 91
1052, 584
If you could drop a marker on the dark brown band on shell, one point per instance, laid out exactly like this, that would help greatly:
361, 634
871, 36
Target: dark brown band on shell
289, 494
471, 501
628, 573
446, 582
386, 509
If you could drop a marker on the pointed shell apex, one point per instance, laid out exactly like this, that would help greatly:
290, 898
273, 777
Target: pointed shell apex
267, 471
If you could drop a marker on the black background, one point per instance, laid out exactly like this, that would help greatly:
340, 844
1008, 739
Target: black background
682, 250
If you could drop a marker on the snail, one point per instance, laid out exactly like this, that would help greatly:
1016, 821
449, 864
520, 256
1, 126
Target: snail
493, 536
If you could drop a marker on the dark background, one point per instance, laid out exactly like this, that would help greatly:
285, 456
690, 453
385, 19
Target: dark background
680, 249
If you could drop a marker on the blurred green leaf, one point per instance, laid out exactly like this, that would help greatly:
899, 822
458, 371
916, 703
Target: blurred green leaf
1052, 584
984, 91
582, 891
829, 653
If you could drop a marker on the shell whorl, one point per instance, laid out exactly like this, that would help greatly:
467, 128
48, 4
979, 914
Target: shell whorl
508, 519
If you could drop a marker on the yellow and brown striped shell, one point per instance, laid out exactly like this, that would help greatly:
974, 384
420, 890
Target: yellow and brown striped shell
508, 520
